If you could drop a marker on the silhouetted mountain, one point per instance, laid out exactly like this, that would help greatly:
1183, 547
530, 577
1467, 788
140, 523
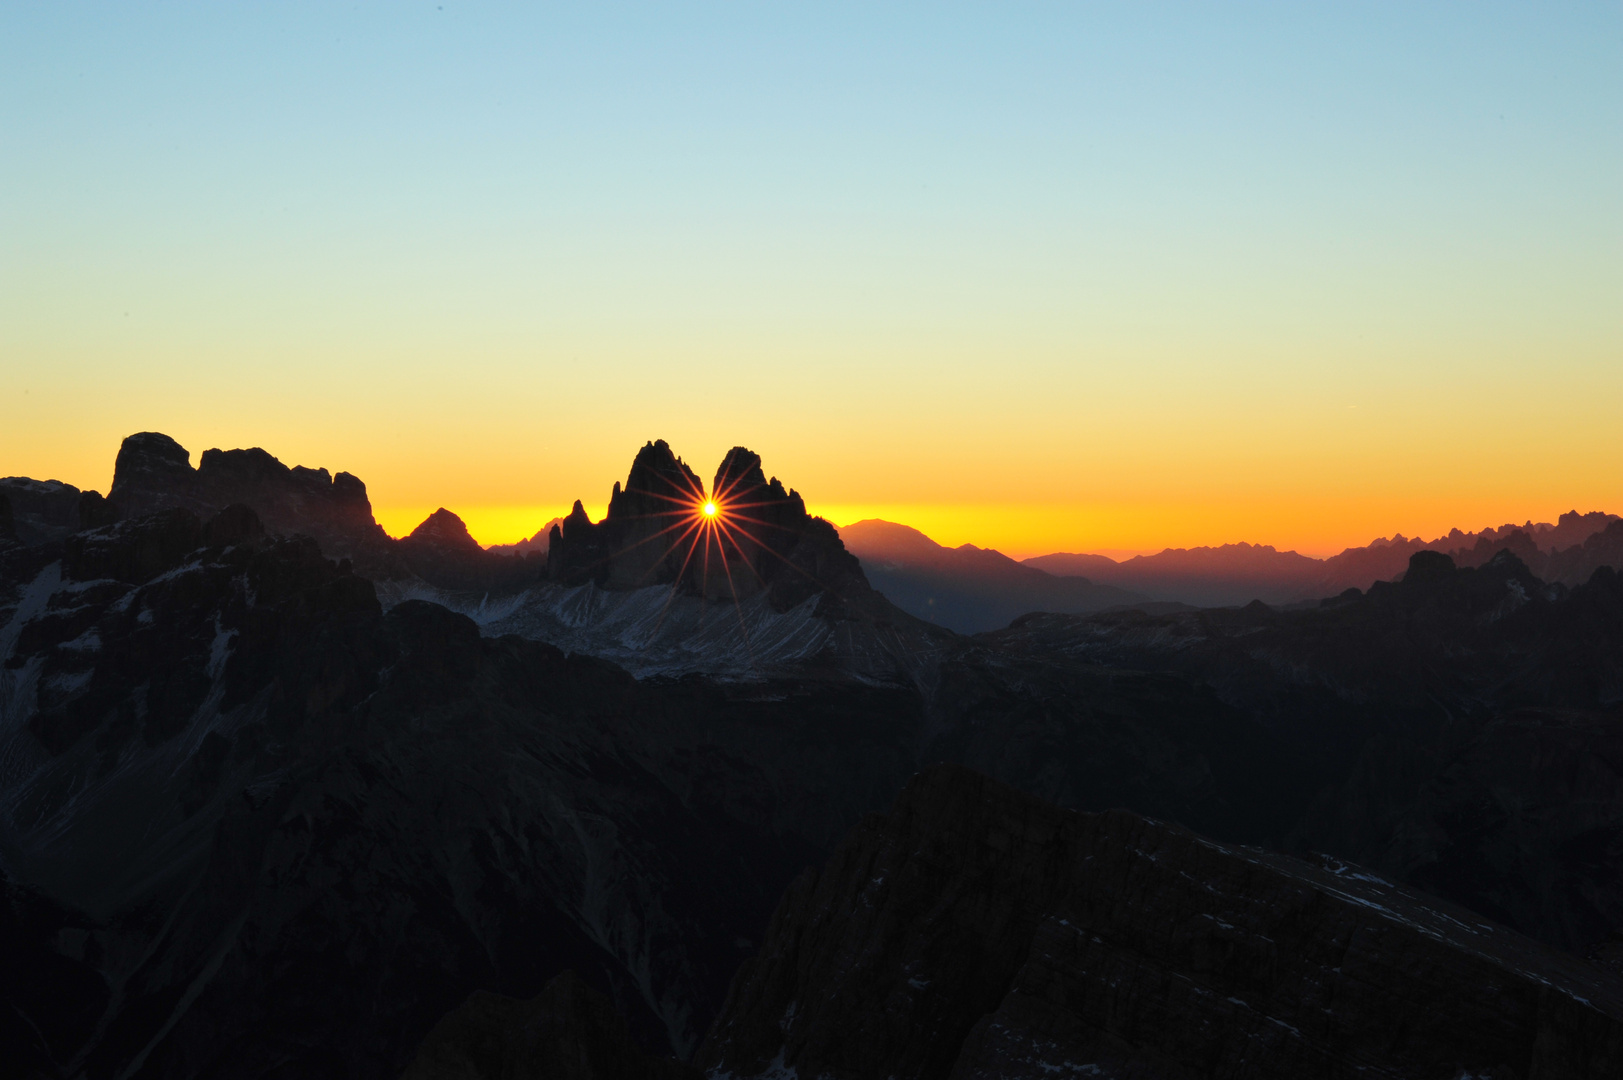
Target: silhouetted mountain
968, 589
1235, 574
760, 588
656, 533
153, 472
261, 814
44, 510
977, 932
442, 552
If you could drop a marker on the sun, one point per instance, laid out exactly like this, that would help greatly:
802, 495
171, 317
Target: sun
709, 509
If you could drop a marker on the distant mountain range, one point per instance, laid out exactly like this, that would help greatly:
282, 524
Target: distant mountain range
969, 589
972, 589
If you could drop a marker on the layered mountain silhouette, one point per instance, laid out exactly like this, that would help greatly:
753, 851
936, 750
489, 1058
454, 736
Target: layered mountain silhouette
282, 796
1233, 574
968, 589
973, 589
656, 585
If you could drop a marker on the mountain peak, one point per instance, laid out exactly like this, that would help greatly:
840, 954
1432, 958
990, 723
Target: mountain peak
444, 529
658, 532
740, 470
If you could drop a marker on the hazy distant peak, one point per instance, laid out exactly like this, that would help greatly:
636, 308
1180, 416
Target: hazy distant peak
536, 544
444, 529
877, 538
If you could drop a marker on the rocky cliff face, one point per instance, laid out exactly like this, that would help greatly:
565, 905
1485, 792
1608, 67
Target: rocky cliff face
153, 472
759, 589
977, 932
759, 540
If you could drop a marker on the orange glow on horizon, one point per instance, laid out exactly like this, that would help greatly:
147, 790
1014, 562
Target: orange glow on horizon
1118, 530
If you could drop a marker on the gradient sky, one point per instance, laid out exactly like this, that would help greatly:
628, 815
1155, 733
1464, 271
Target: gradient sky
1038, 277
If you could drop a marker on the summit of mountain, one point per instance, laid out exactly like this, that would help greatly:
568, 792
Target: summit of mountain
658, 585
443, 552
738, 579
153, 472
746, 536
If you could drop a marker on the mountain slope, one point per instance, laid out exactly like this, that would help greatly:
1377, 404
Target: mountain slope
968, 589
290, 830
1461, 723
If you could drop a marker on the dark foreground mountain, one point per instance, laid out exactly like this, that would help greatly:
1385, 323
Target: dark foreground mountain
253, 823
977, 932
567, 1032
1469, 718
967, 589
262, 814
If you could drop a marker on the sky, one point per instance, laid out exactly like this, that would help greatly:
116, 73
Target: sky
1036, 277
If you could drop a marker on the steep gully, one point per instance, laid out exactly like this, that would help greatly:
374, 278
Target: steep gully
253, 821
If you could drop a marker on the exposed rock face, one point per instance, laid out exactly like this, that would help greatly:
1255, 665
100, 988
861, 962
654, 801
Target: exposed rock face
977, 932
656, 532
153, 472
567, 1032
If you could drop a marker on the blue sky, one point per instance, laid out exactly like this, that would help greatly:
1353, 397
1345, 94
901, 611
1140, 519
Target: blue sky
1005, 240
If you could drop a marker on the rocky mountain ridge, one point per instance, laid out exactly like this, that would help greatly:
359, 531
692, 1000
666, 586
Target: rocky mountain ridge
763, 588
225, 753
